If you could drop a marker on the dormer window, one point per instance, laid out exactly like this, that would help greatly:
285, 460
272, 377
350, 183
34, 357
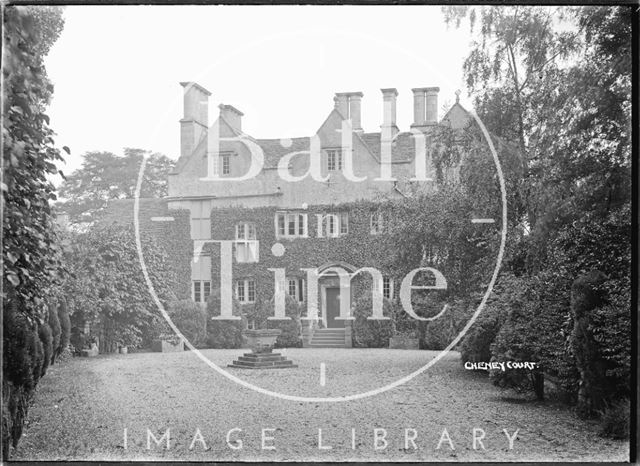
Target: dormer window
225, 162
334, 160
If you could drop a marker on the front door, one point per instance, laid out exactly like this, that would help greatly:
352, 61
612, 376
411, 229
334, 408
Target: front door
333, 307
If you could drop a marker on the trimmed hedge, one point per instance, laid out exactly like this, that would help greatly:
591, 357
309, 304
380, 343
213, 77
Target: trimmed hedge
46, 338
56, 330
65, 327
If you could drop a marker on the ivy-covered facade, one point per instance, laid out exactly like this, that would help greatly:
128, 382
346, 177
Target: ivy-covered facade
322, 202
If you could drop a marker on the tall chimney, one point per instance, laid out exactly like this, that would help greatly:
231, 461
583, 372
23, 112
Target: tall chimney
425, 106
231, 115
388, 130
389, 127
195, 119
341, 102
349, 105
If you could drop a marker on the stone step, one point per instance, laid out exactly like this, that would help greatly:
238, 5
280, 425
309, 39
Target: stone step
274, 366
327, 345
262, 363
254, 360
262, 357
330, 330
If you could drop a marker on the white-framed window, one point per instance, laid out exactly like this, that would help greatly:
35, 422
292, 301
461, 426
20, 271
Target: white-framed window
225, 162
200, 290
334, 159
247, 246
246, 291
376, 223
200, 219
387, 287
296, 289
333, 225
200, 278
291, 225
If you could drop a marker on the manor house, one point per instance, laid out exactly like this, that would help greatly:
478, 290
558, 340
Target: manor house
280, 218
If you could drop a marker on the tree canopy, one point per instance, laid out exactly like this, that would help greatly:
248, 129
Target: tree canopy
104, 176
556, 82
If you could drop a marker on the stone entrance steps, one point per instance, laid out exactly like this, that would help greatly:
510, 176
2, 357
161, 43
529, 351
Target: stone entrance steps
328, 338
262, 361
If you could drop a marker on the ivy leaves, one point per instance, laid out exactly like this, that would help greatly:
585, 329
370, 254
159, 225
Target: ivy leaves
32, 255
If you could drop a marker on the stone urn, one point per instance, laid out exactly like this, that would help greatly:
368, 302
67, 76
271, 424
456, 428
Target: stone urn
263, 340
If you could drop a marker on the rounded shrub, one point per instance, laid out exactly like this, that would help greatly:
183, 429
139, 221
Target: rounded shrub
587, 294
36, 352
17, 355
439, 333
615, 419
370, 333
223, 333
476, 344
56, 330
44, 333
191, 320
65, 326
291, 336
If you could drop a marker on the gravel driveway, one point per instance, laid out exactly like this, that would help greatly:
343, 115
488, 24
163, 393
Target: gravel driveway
83, 407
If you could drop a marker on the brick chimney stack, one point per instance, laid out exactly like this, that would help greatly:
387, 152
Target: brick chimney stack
349, 105
425, 106
231, 115
389, 127
195, 119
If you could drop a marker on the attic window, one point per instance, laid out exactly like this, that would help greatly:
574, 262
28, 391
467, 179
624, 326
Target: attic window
225, 161
334, 159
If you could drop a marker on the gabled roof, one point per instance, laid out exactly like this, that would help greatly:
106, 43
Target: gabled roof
402, 151
402, 147
275, 149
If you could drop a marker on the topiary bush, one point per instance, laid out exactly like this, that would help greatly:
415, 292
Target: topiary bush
476, 344
587, 294
191, 319
54, 324
36, 352
223, 333
370, 333
46, 338
17, 358
615, 419
291, 336
65, 327
439, 333
610, 324
77, 339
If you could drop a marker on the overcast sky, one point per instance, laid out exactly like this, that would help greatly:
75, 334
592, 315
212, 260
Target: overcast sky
116, 69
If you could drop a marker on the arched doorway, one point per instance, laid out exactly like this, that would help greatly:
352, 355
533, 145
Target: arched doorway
329, 292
